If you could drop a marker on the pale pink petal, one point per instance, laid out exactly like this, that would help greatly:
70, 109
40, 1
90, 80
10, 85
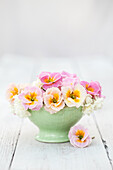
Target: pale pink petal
46, 100
71, 103
25, 106
23, 99
70, 81
38, 107
50, 110
66, 74
51, 84
55, 90
38, 104
43, 74
59, 107
82, 92
55, 75
86, 142
48, 91
83, 83
65, 89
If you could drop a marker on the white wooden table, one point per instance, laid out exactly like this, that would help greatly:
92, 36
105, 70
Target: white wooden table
19, 150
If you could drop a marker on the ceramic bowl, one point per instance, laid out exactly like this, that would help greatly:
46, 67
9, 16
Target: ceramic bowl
54, 128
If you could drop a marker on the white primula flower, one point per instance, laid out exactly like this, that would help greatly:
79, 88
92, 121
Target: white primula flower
19, 109
88, 109
37, 83
98, 103
88, 100
92, 104
11, 108
74, 96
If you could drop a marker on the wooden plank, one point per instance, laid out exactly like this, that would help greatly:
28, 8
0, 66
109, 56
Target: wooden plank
12, 69
31, 154
102, 71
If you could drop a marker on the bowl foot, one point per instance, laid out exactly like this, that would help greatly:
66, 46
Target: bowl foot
52, 138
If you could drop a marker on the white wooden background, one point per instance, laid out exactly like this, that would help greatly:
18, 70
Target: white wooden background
19, 150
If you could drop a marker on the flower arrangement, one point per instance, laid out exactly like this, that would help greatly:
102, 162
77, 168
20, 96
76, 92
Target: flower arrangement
54, 92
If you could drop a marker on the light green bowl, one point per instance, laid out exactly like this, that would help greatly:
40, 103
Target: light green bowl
54, 128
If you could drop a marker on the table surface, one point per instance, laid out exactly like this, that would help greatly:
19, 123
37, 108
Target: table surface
18, 148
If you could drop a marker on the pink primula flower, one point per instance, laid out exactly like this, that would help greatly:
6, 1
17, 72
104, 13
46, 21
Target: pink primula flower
50, 79
53, 100
92, 88
70, 81
79, 136
12, 91
31, 98
66, 74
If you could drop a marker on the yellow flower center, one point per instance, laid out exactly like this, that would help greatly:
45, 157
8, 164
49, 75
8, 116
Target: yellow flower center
14, 92
89, 88
54, 99
31, 97
49, 80
80, 134
74, 95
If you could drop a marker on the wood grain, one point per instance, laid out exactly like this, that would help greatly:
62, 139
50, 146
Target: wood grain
102, 71
12, 69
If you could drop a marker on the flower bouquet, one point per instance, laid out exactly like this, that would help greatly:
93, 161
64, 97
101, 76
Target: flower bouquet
55, 102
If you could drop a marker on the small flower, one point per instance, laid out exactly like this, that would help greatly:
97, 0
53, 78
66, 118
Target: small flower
53, 100
12, 91
19, 109
11, 107
50, 79
92, 88
79, 136
69, 79
37, 83
88, 109
92, 104
98, 103
68, 75
74, 96
31, 98
88, 106
88, 100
